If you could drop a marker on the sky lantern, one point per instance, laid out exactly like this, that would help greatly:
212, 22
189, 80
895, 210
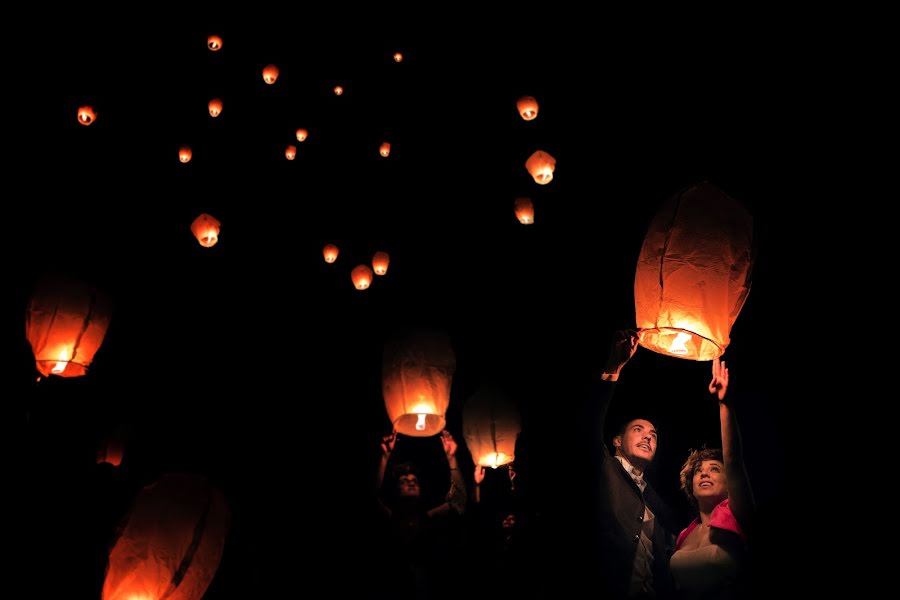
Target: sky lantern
65, 325
270, 74
206, 230
398, 57
86, 115
338, 90
362, 277
385, 149
185, 154
214, 43
528, 107
112, 449
290, 152
416, 378
693, 273
380, 262
525, 211
302, 134
541, 166
330, 252
171, 543
491, 425
215, 107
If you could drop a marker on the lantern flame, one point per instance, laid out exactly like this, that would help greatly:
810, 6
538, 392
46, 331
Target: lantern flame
420, 424
678, 344
63, 362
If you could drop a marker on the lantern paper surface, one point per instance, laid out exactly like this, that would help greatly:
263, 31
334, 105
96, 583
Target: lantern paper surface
491, 425
693, 274
362, 276
330, 252
171, 544
528, 107
206, 229
416, 379
541, 166
380, 262
65, 325
525, 211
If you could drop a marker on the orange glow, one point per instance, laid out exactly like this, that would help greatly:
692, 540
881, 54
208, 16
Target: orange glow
290, 152
63, 360
528, 107
302, 134
541, 166
491, 425
525, 211
270, 74
385, 149
185, 154
420, 422
380, 262
206, 230
111, 450
362, 277
215, 107
86, 115
338, 90
214, 43
330, 251
398, 57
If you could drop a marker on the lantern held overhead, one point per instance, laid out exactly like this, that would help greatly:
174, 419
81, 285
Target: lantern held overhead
491, 425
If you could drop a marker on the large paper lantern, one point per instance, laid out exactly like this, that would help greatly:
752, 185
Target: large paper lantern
416, 378
491, 425
171, 544
206, 229
302, 134
214, 43
385, 149
86, 115
380, 262
290, 152
185, 154
65, 325
330, 252
693, 274
270, 74
541, 166
525, 211
528, 107
362, 277
215, 107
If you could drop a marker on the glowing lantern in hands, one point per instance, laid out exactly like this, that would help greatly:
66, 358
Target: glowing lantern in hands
206, 230
491, 425
693, 274
290, 152
86, 115
302, 134
362, 277
270, 74
398, 57
416, 379
525, 211
541, 166
171, 544
215, 107
185, 154
65, 325
214, 43
330, 251
385, 149
380, 262
338, 90
528, 107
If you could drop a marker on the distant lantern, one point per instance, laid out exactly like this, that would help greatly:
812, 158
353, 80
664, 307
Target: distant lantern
185, 154
302, 134
290, 152
86, 115
270, 74
398, 57
362, 277
206, 230
541, 166
112, 449
330, 252
215, 107
385, 149
65, 326
171, 543
338, 90
416, 378
491, 425
214, 43
380, 262
525, 211
528, 107
693, 274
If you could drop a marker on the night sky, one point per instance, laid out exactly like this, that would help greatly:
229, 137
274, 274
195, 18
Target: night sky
261, 320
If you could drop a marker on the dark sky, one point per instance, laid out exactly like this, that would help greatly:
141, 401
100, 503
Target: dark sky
261, 320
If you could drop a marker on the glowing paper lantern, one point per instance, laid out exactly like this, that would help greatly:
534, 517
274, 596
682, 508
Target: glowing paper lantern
525, 211
302, 134
112, 449
185, 154
215, 107
206, 230
290, 152
270, 74
385, 149
330, 251
528, 107
380, 262
362, 277
338, 90
86, 115
214, 43
491, 425
416, 379
398, 57
171, 544
65, 325
693, 274
541, 166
